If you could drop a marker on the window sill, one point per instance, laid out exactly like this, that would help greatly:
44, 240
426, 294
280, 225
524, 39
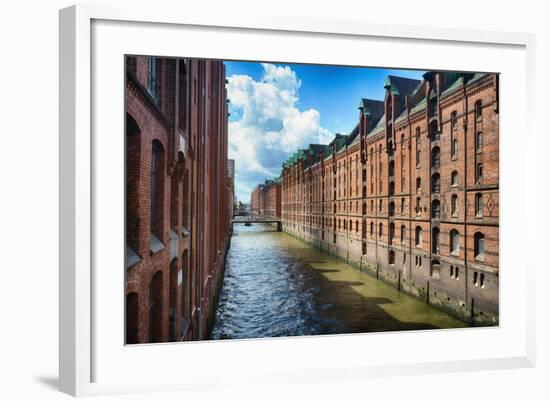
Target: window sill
156, 244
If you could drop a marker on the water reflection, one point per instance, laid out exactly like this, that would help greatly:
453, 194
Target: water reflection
275, 285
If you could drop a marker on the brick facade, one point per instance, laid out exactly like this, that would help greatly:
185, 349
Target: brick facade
178, 192
265, 200
411, 195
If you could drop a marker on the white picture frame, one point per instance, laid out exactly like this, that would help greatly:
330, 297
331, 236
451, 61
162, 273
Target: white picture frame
84, 357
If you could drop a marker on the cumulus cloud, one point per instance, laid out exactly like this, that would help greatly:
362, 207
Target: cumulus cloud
270, 127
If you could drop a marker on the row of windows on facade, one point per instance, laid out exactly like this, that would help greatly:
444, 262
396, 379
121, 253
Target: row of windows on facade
155, 306
435, 209
154, 80
157, 177
435, 162
454, 237
478, 278
435, 187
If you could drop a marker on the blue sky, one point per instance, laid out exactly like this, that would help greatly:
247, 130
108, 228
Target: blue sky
277, 108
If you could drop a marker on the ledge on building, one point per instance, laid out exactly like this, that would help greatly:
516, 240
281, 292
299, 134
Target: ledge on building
156, 244
174, 244
131, 257
185, 231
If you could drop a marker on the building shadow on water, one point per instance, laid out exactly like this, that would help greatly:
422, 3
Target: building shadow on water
356, 312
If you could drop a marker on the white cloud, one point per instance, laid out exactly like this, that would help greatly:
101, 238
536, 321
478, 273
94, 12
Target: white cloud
270, 127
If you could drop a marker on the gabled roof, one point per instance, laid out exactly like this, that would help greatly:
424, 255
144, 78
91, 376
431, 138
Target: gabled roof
401, 86
371, 108
378, 127
339, 141
353, 134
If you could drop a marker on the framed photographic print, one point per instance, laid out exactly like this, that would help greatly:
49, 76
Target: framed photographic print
289, 199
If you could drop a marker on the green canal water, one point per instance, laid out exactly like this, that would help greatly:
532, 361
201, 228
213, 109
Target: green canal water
276, 285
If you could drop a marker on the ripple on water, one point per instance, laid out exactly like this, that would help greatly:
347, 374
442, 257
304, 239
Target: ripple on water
275, 286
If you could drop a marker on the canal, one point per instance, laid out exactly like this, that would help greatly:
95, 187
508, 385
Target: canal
276, 285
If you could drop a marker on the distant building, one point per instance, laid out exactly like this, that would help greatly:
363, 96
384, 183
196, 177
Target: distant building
266, 199
412, 193
231, 175
177, 220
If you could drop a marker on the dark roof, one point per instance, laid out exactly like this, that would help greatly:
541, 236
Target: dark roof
372, 108
315, 150
353, 134
401, 86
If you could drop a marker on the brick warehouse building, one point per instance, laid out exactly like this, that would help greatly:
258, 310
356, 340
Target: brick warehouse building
178, 194
265, 200
411, 195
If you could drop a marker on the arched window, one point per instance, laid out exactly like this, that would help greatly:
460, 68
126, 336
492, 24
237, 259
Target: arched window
435, 240
454, 146
402, 205
417, 146
418, 208
156, 318
479, 205
418, 184
350, 225
479, 245
173, 299
133, 155
391, 168
454, 204
479, 141
391, 257
132, 316
380, 206
454, 242
391, 233
478, 111
403, 233
436, 157
418, 236
356, 226
434, 131
391, 209
436, 184
372, 230
479, 173
436, 209
364, 209
454, 179
380, 227
157, 188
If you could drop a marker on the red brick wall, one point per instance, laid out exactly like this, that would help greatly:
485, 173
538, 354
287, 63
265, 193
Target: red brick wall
325, 220
191, 204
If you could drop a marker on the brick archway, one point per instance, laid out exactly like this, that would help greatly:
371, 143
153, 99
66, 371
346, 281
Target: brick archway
132, 318
156, 318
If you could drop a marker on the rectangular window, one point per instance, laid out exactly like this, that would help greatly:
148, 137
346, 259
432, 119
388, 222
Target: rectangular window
454, 148
479, 173
153, 79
